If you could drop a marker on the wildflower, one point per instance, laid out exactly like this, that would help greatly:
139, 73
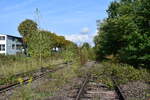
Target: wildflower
20, 80
30, 80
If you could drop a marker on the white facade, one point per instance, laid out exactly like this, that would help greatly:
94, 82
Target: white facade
10, 45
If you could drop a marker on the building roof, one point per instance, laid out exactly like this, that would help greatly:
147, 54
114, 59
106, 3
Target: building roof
12, 36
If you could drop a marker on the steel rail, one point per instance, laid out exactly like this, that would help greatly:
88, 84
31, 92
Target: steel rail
118, 90
82, 88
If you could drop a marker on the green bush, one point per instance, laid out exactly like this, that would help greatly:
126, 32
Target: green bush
122, 73
127, 73
70, 53
126, 33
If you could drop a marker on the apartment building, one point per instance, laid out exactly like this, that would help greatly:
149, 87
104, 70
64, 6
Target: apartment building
10, 45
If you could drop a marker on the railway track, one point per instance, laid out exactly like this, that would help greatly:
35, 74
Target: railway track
90, 90
36, 74
95, 91
85, 88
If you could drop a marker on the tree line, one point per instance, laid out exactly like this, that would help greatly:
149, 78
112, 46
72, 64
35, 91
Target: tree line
125, 33
39, 42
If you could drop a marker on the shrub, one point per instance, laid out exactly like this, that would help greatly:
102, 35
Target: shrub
122, 73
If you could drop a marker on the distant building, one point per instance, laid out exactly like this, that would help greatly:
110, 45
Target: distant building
10, 45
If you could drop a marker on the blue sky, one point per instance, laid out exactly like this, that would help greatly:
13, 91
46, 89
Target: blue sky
69, 18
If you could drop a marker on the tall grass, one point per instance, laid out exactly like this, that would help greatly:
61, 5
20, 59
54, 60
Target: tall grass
10, 65
47, 88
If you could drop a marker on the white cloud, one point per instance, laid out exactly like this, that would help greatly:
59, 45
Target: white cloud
77, 37
85, 30
80, 38
96, 33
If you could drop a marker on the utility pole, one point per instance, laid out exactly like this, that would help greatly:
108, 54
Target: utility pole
98, 25
37, 20
37, 17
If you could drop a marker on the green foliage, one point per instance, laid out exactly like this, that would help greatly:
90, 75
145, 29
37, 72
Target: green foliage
26, 27
21, 66
126, 73
70, 53
86, 45
9, 58
40, 44
122, 73
112, 11
137, 51
91, 54
47, 88
84, 55
126, 33
88, 51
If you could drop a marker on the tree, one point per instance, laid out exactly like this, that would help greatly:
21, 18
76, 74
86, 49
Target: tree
112, 10
27, 28
126, 33
40, 44
86, 45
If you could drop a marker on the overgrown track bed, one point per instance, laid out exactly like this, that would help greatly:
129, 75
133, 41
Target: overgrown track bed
90, 90
36, 74
93, 89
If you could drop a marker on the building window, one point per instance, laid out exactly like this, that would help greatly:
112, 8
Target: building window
13, 46
2, 47
18, 47
13, 39
2, 37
